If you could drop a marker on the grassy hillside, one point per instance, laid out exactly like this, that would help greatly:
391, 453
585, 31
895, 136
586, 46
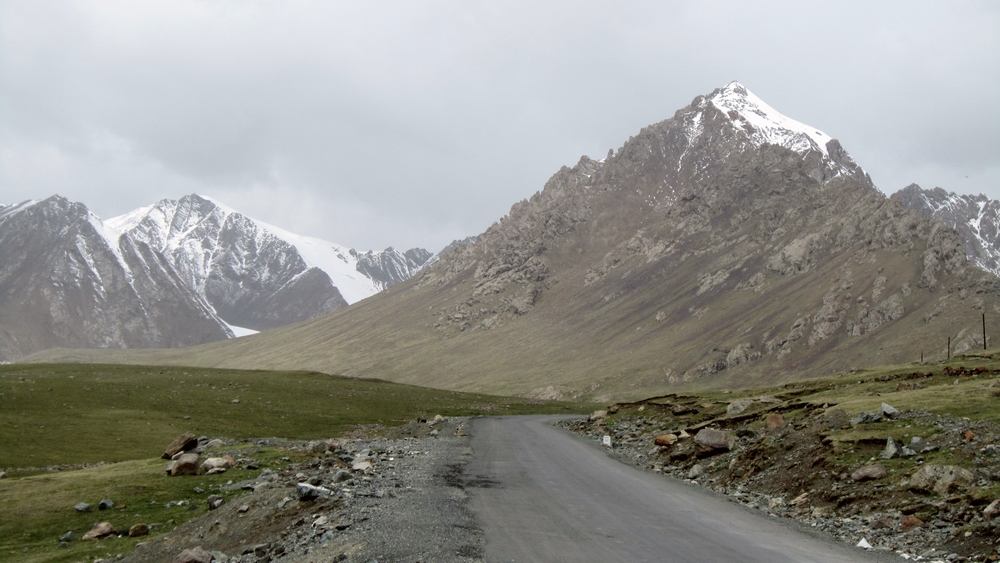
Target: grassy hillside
56, 418
59, 414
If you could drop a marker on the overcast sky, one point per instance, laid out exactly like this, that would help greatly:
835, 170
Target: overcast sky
414, 123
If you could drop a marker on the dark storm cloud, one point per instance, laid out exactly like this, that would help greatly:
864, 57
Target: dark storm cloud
415, 123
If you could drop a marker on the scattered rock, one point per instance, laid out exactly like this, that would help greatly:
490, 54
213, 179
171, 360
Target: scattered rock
775, 421
106, 504
666, 440
863, 544
218, 463
969, 435
941, 478
363, 465
305, 491
888, 411
992, 510
68, 536
910, 522
83, 507
892, 449
185, 464
599, 415
917, 444
184, 442
138, 530
865, 417
340, 476
213, 444
101, 530
215, 501
869, 472
193, 555
738, 406
696, 471
710, 442
3, 474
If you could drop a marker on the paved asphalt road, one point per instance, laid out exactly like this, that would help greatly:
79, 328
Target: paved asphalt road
542, 494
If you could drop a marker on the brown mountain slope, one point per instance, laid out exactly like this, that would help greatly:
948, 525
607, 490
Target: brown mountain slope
708, 250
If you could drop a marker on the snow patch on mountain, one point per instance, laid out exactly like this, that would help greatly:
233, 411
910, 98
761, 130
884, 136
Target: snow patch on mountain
764, 124
975, 217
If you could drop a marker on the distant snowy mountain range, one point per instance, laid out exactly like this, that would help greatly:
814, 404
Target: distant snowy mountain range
975, 217
174, 273
259, 276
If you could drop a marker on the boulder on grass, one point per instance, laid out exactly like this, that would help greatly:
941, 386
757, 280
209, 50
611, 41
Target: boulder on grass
101, 530
185, 442
138, 530
217, 463
185, 464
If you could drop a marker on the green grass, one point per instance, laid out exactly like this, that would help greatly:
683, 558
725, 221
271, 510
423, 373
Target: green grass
59, 414
73, 413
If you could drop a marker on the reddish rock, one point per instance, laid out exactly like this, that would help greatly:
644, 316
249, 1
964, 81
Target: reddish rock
666, 440
184, 442
193, 555
910, 522
775, 421
101, 530
869, 472
138, 530
969, 435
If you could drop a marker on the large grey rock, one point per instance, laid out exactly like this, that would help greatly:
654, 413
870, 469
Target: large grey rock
738, 406
83, 507
305, 491
869, 472
106, 504
696, 471
865, 417
892, 449
709, 441
941, 479
888, 411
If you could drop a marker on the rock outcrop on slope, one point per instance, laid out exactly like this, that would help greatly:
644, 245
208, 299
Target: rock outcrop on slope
726, 245
976, 218
68, 280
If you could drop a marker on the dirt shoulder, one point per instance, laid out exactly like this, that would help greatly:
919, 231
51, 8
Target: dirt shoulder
395, 499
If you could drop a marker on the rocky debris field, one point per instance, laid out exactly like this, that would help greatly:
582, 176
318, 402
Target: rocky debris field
396, 499
922, 485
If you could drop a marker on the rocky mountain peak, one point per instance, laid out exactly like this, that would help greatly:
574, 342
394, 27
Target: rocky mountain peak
976, 218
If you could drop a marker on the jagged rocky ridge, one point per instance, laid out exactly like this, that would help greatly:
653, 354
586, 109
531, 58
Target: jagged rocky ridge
256, 275
976, 218
725, 245
67, 280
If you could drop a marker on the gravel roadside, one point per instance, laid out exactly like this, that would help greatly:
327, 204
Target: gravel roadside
387, 500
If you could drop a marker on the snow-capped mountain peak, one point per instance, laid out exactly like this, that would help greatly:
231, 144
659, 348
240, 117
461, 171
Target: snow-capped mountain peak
766, 124
241, 265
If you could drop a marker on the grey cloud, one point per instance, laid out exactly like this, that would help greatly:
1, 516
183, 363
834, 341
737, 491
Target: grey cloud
413, 123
